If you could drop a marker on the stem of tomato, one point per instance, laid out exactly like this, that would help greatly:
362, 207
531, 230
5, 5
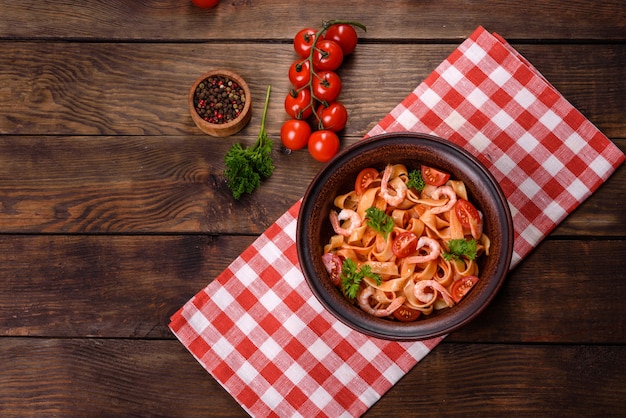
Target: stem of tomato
325, 25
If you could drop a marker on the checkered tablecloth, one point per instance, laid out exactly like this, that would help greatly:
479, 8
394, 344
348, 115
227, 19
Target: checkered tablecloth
258, 329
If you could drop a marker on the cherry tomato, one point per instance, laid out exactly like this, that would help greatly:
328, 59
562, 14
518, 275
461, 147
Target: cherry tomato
327, 55
300, 73
323, 145
326, 86
433, 176
345, 35
295, 133
298, 104
467, 213
205, 4
364, 179
406, 314
303, 41
333, 117
462, 286
404, 244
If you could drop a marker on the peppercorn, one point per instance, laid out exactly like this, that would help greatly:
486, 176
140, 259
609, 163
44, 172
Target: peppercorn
218, 99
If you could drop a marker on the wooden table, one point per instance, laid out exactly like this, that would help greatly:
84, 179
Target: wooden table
114, 210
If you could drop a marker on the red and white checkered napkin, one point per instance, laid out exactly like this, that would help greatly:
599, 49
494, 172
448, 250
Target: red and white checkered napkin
258, 329
547, 157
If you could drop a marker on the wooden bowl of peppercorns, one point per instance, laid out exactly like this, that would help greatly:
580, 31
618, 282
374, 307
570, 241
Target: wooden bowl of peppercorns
220, 103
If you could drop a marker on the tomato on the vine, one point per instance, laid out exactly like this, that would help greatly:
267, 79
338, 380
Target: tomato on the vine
462, 286
433, 176
364, 179
316, 87
300, 73
303, 41
326, 86
295, 133
205, 4
404, 244
298, 104
334, 117
323, 145
327, 55
345, 35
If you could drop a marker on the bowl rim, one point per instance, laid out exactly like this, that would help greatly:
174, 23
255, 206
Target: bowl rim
221, 129
383, 328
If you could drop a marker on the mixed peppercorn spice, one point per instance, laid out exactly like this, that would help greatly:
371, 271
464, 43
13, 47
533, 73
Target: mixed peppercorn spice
218, 99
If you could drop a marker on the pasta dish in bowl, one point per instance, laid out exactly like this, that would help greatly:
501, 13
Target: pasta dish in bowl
406, 236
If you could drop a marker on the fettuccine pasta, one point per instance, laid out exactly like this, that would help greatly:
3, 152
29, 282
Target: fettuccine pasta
400, 252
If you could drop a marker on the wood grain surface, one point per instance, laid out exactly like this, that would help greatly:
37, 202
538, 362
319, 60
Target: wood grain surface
114, 210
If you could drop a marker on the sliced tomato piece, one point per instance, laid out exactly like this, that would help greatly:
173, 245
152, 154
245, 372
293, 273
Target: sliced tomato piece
406, 314
467, 213
433, 176
461, 287
404, 244
364, 179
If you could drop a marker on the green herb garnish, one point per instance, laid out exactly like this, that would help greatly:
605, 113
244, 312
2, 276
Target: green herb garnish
379, 221
460, 248
351, 277
246, 167
416, 181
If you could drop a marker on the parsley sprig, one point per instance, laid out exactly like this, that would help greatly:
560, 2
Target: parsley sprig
416, 181
246, 167
460, 248
351, 277
379, 221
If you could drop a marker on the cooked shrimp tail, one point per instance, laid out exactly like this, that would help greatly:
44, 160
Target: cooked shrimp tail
448, 192
364, 301
399, 192
436, 288
344, 215
433, 247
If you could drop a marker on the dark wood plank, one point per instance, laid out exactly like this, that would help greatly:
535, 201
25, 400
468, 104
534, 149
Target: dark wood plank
71, 286
59, 88
178, 19
510, 380
135, 185
92, 377
160, 378
128, 287
176, 184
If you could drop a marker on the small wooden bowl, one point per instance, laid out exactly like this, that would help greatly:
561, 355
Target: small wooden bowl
227, 128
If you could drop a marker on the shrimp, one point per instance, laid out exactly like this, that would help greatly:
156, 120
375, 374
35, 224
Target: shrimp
426, 297
334, 266
400, 190
345, 214
433, 246
364, 303
445, 191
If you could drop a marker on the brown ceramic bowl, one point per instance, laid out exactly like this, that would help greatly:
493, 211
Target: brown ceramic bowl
411, 149
227, 128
